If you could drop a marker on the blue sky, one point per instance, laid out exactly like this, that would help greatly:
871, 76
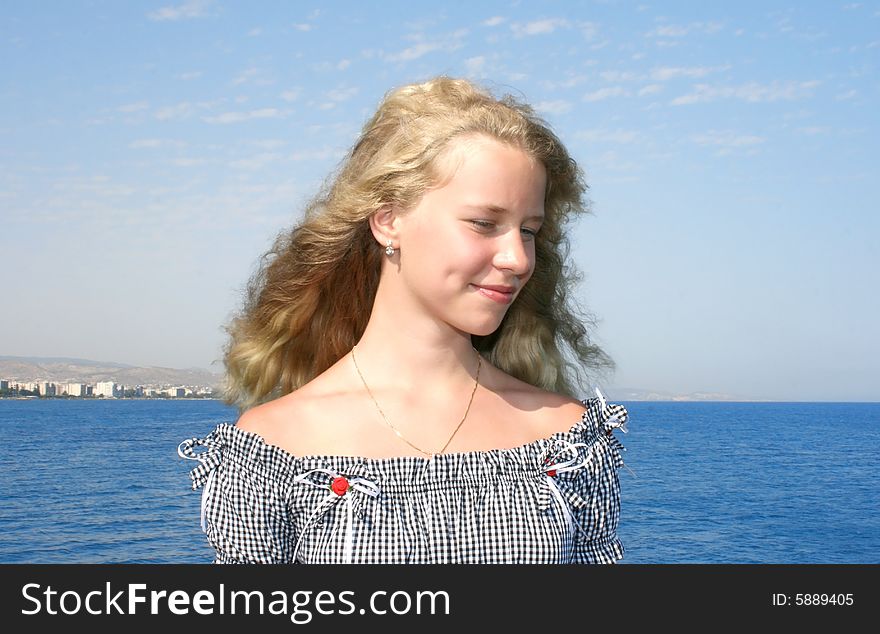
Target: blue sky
150, 151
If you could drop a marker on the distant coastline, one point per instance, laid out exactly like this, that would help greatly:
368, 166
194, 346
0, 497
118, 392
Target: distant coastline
140, 382
63, 377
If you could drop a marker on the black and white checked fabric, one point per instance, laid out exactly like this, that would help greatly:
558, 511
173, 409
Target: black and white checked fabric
261, 504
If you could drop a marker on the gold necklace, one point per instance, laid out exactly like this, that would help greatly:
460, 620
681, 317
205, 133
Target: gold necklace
396, 431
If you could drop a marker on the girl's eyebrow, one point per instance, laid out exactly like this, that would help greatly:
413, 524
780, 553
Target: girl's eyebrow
495, 209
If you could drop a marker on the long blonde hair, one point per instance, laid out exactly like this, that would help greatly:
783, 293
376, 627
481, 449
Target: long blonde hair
311, 298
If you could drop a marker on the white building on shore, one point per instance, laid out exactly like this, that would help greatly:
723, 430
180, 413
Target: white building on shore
106, 389
76, 389
46, 388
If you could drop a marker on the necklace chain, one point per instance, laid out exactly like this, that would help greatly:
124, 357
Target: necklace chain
397, 431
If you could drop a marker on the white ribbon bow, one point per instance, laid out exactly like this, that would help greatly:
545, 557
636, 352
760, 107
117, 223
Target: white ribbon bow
206, 491
571, 464
361, 485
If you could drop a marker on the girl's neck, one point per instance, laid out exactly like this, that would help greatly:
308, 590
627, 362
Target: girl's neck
404, 361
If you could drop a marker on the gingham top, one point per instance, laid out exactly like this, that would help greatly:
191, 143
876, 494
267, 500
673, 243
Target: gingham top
554, 500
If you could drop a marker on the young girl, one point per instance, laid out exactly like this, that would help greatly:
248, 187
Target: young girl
400, 359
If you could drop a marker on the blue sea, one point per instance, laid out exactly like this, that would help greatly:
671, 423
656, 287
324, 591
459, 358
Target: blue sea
101, 482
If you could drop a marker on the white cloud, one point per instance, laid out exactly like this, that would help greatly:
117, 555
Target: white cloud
665, 73
190, 75
752, 92
186, 11
255, 162
474, 65
290, 95
678, 30
184, 109
650, 89
255, 76
604, 93
342, 94
814, 130
784, 24
612, 161
343, 64
177, 111
617, 75
326, 129
845, 96
414, 52
447, 43
267, 144
133, 107
187, 162
588, 29
337, 96
599, 135
670, 30
702, 92
255, 32
155, 143
571, 82
321, 154
559, 106
494, 21
539, 27
303, 27
236, 117
727, 139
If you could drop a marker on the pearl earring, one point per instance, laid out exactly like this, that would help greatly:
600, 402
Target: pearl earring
389, 250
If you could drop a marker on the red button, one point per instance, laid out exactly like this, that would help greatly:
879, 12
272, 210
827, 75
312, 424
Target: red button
339, 486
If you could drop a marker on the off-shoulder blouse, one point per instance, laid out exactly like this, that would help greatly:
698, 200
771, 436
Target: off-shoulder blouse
553, 500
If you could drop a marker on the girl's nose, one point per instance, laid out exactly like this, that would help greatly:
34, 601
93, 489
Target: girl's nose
513, 254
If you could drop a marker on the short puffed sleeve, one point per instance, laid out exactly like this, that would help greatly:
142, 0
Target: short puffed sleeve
244, 496
590, 487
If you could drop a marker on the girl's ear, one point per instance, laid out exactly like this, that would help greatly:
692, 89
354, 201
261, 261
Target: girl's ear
385, 225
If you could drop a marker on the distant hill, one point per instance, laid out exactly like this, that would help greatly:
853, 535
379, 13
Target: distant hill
637, 394
64, 369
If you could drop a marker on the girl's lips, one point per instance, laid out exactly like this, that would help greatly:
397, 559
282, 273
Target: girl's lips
497, 296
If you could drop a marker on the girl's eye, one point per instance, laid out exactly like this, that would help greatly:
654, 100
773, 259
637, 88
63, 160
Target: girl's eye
483, 224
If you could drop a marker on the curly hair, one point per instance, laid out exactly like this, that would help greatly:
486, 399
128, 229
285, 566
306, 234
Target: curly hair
311, 297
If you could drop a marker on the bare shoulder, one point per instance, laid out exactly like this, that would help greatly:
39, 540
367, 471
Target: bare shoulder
547, 412
276, 420
311, 420
560, 412
567, 407
255, 420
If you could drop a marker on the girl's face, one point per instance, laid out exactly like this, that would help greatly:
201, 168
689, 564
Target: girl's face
474, 232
